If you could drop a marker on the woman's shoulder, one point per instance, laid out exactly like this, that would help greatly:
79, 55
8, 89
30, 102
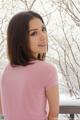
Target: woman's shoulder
5, 68
46, 65
42, 65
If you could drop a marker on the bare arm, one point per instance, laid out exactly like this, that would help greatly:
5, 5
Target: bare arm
52, 94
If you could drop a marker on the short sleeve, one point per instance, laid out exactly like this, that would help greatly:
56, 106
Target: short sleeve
52, 78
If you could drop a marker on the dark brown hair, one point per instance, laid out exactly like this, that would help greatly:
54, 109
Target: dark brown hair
19, 52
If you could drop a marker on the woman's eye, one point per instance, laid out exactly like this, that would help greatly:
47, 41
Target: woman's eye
33, 33
44, 29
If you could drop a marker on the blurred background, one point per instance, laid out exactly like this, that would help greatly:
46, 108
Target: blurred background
62, 19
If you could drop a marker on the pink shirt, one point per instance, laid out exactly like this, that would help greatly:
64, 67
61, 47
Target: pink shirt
23, 90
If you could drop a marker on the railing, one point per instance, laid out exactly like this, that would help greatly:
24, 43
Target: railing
69, 105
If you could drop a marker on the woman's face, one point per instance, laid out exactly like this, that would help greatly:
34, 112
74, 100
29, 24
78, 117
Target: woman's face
38, 39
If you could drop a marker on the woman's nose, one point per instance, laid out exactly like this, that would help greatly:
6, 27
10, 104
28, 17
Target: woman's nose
42, 36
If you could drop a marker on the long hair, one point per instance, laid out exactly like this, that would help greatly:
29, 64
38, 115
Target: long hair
19, 52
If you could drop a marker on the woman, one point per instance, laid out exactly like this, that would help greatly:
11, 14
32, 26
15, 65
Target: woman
28, 81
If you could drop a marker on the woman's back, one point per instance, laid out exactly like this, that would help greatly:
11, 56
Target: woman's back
23, 91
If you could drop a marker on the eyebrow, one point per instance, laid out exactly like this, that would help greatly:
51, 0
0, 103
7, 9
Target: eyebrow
35, 28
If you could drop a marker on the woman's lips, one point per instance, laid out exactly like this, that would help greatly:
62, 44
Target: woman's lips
42, 45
